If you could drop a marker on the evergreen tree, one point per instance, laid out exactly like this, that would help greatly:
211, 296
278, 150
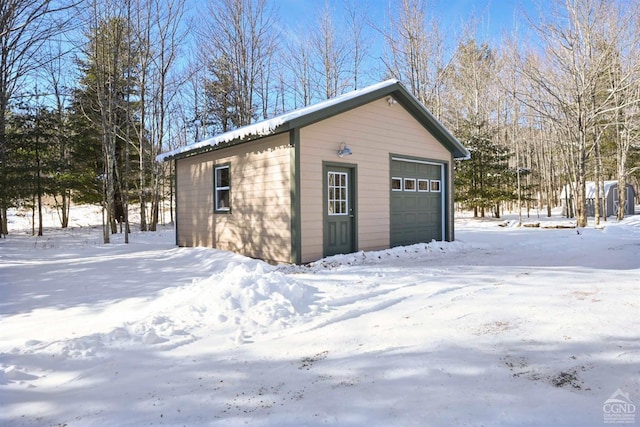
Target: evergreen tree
100, 105
220, 97
485, 180
33, 162
86, 164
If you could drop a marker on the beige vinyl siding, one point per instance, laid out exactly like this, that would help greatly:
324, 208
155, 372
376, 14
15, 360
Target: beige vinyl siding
259, 224
372, 131
194, 202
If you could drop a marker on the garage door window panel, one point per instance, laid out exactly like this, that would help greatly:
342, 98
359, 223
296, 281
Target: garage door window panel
396, 184
409, 184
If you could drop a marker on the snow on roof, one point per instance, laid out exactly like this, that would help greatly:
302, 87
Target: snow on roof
590, 192
590, 189
267, 127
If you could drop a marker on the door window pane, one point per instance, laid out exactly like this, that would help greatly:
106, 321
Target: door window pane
337, 193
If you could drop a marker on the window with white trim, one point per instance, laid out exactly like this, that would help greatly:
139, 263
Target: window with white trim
423, 185
409, 184
396, 184
222, 188
435, 185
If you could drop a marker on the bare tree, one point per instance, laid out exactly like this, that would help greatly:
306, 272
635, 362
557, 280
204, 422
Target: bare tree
157, 32
472, 79
571, 80
358, 40
167, 25
416, 51
623, 90
327, 56
56, 72
627, 139
241, 35
301, 68
106, 46
142, 17
409, 47
25, 26
330, 49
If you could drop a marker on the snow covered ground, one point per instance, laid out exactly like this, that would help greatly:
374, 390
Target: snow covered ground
506, 326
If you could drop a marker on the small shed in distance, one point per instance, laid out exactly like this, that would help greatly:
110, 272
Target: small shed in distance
609, 192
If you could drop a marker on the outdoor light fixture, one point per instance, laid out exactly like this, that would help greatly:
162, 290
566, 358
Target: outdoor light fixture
344, 150
391, 101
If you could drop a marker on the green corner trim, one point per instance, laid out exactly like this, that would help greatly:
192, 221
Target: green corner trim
175, 199
296, 224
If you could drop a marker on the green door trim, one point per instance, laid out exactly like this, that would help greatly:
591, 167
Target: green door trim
353, 200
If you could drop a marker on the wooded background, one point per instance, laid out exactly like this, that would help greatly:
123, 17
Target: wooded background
92, 90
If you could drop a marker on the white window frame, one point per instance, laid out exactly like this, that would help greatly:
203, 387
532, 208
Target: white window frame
439, 190
404, 184
338, 192
421, 180
217, 189
393, 178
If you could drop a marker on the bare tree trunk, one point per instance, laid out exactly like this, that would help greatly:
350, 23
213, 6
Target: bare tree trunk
581, 178
39, 189
105, 55
413, 50
301, 68
596, 195
169, 37
3, 221
621, 157
143, 33
331, 50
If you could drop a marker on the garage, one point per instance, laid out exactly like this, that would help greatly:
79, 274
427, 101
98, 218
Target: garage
312, 183
417, 201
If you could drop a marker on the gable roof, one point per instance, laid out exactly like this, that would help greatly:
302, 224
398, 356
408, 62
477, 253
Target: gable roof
323, 110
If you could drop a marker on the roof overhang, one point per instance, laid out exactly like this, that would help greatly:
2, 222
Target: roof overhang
321, 111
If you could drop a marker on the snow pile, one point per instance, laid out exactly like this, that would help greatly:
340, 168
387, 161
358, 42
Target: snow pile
243, 300
250, 297
419, 251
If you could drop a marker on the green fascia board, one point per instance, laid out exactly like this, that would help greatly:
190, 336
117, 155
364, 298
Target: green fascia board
334, 107
209, 148
339, 108
406, 99
433, 125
